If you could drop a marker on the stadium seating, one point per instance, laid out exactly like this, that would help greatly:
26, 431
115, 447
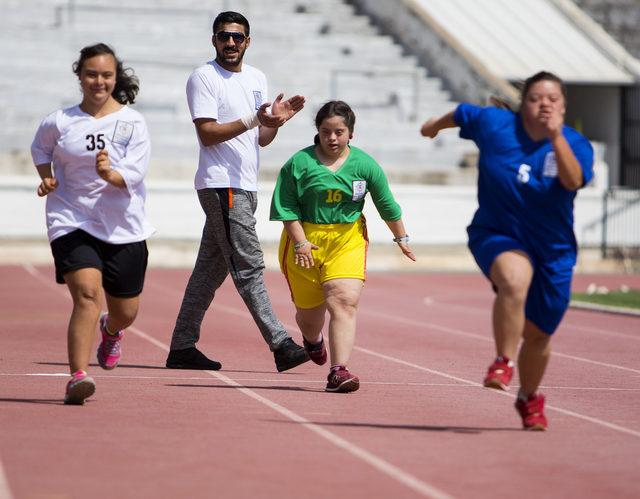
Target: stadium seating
319, 49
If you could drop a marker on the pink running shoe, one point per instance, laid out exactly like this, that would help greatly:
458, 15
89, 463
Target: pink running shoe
317, 353
532, 412
499, 374
342, 381
79, 388
109, 351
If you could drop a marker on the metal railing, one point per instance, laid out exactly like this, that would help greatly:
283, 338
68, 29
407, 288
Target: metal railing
621, 224
390, 99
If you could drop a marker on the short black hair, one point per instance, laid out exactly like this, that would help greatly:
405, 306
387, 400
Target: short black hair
542, 76
230, 17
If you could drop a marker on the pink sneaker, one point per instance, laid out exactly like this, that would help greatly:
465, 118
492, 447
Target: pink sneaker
532, 412
499, 374
79, 388
342, 381
109, 351
317, 353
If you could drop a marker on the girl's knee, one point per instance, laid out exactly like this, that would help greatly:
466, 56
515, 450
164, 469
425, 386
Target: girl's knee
87, 297
513, 286
512, 276
307, 324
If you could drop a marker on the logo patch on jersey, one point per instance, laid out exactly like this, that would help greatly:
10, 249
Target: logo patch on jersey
359, 189
257, 97
122, 133
523, 173
550, 168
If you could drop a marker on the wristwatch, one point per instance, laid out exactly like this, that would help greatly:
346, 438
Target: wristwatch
401, 239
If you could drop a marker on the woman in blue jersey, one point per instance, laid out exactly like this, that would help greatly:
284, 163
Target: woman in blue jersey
92, 159
530, 167
319, 196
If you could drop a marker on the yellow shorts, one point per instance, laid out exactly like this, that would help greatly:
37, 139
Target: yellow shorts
342, 254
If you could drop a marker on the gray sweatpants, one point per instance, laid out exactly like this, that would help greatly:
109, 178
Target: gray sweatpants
229, 245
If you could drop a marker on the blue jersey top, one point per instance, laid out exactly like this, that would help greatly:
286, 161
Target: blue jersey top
519, 192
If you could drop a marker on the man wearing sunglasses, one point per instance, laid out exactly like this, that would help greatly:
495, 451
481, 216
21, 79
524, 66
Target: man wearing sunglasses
227, 100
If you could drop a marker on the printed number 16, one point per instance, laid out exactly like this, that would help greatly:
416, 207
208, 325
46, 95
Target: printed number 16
333, 196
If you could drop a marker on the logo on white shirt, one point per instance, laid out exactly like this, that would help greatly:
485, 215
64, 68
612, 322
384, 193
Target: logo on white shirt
550, 168
359, 189
122, 133
523, 173
257, 97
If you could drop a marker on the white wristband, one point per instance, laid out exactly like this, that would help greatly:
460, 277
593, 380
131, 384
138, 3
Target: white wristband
250, 121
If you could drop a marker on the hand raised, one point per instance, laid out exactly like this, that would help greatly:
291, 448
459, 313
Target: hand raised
268, 119
281, 110
288, 108
429, 128
552, 121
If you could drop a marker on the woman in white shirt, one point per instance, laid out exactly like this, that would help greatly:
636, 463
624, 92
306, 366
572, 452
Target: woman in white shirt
92, 159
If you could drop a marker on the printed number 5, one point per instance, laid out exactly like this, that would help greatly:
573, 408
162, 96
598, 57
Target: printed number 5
523, 173
334, 196
95, 141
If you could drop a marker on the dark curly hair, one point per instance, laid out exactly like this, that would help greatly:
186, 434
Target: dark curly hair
127, 83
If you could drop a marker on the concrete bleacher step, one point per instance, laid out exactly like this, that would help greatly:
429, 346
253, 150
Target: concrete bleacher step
323, 51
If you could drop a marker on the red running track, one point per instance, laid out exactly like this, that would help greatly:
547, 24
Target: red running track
420, 425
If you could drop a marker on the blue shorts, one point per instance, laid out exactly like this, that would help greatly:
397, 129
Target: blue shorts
550, 290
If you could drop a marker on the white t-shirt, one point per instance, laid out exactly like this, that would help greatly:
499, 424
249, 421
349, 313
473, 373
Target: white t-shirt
71, 139
225, 96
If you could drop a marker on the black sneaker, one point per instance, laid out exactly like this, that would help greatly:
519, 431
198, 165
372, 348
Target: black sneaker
191, 358
289, 355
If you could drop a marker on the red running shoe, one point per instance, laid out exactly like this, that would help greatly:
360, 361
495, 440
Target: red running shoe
342, 381
532, 412
317, 352
499, 374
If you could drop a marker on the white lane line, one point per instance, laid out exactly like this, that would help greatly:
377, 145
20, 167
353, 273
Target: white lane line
430, 301
462, 380
584, 417
566, 324
378, 463
597, 421
381, 465
466, 334
288, 381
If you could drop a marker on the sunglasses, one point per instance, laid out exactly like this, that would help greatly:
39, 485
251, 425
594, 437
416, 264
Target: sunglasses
223, 36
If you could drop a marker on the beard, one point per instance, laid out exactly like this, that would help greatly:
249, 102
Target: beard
230, 57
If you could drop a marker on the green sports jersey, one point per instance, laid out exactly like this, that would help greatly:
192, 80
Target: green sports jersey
308, 191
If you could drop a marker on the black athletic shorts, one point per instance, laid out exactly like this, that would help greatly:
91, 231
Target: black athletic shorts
123, 266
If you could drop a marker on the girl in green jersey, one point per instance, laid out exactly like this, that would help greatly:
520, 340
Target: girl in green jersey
319, 195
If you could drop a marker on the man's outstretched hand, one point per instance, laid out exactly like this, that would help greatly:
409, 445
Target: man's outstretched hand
281, 111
